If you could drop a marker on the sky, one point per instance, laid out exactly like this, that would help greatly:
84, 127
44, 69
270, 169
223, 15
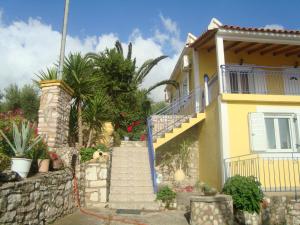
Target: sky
30, 30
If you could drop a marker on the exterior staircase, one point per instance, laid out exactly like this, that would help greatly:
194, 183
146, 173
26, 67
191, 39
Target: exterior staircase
131, 185
176, 118
178, 129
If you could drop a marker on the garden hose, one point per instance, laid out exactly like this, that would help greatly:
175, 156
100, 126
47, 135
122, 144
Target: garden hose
100, 217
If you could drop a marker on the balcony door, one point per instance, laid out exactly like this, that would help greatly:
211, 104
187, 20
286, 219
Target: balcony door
292, 81
245, 80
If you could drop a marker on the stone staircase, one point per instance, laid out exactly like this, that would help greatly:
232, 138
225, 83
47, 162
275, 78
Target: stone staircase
131, 184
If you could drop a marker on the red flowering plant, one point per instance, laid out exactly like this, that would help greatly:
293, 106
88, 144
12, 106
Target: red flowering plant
132, 125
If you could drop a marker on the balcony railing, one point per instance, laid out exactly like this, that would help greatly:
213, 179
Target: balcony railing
176, 113
277, 172
260, 80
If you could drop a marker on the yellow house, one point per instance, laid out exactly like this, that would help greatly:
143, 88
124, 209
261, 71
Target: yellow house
240, 94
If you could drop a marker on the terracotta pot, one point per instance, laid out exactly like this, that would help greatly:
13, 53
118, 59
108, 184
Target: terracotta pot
57, 164
43, 165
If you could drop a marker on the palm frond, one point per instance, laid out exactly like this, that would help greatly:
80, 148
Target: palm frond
48, 74
129, 51
147, 66
119, 47
164, 82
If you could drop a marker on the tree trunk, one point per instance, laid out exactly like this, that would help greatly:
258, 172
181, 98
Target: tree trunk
80, 138
90, 138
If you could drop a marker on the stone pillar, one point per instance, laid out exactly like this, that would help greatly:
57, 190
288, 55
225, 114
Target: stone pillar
54, 112
293, 213
216, 210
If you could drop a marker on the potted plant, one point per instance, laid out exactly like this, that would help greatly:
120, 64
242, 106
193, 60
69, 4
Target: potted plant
43, 157
183, 160
21, 147
56, 161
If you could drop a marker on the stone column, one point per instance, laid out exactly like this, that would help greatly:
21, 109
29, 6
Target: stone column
54, 112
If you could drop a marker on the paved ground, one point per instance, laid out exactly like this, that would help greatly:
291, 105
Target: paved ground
174, 217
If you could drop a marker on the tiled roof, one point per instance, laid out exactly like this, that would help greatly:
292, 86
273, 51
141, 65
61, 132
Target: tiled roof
208, 33
229, 27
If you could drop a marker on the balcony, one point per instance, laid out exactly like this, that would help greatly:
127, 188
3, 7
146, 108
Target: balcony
260, 80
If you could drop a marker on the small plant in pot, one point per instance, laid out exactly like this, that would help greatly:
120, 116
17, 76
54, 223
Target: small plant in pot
43, 160
56, 161
21, 145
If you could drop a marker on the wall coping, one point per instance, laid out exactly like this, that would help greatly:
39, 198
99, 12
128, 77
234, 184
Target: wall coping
216, 198
37, 177
60, 83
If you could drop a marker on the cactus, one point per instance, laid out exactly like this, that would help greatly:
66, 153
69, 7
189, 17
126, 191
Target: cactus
21, 139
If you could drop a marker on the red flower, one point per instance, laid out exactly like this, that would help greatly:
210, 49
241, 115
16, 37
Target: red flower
129, 128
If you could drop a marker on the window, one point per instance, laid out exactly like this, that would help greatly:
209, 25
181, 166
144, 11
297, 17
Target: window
274, 132
278, 133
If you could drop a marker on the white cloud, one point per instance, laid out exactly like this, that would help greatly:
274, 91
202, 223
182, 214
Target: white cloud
274, 27
28, 46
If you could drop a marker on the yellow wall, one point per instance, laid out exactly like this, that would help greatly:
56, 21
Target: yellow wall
238, 125
209, 154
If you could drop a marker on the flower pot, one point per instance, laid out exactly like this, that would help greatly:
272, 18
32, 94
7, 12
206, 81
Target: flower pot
57, 164
126, 138
43, 165
179, 175
21, 166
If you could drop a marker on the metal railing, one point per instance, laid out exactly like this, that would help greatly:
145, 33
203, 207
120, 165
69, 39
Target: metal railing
277, 172
151, 154
176, 113
260, 80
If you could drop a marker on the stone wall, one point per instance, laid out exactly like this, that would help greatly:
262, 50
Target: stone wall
37, 200
54, 113
293, 213
214, 210
95, 184
166, 167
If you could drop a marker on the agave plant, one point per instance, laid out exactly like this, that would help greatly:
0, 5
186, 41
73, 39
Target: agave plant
21, 139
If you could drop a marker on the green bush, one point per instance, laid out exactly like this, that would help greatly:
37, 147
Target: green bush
87, 154
166, 195
5, 162
246, 193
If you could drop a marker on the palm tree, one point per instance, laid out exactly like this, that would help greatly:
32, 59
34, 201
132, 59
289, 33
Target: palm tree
78, 74
96, 111
140, 74
49, 74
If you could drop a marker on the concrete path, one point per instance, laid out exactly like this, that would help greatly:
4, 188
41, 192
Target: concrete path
174, 217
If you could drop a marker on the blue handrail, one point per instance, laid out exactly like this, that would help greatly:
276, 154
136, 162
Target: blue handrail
151, 154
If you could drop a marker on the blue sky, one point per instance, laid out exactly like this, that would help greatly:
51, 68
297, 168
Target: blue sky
92, 17
30, 29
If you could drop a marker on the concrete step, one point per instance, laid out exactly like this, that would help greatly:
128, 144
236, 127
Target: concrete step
131, 189
130, 182
134, 205
130, 165
130, 149
116, 174
134, 197
133, 144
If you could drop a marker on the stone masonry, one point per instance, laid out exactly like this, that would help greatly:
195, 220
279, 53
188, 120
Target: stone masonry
37, 200
211, 210
293, 213
54, 112
95, 184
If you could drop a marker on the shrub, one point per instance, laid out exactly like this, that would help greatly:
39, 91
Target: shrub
166, 195
5, 162
87, 154
246, 193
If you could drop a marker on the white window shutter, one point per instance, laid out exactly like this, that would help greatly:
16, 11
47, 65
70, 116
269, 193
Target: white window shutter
258, 135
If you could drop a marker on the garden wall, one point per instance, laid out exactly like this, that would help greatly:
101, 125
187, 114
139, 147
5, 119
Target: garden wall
37, 200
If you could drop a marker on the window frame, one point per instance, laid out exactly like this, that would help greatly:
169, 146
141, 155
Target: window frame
292, 129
